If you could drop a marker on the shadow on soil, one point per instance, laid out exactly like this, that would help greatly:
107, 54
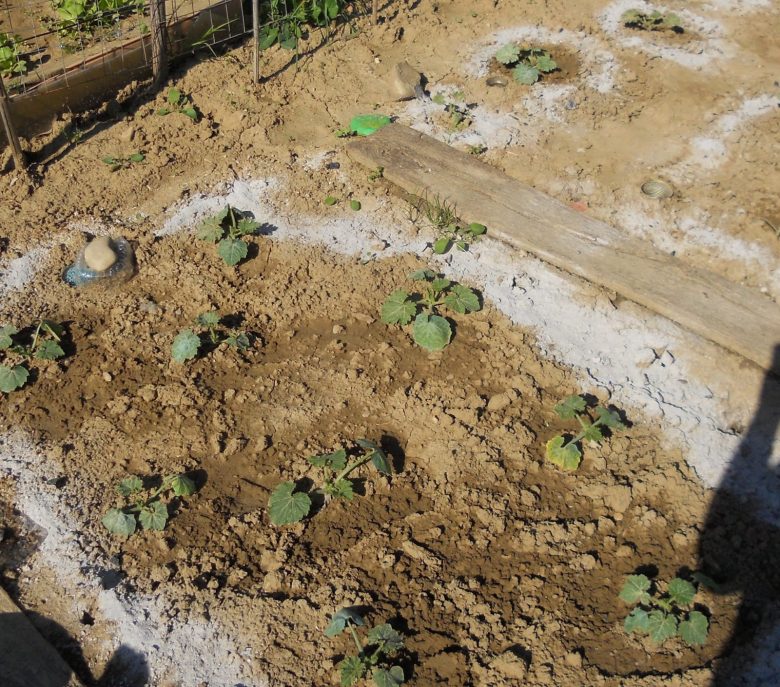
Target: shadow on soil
740, 547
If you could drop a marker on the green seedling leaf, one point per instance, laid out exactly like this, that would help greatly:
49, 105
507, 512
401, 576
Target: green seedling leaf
432, 332
210, 229
53, 328
268, 37
525, 74
163, 111
335, 461
185, 346
355, 205
661, 626
209, 319
565, 456
439, 99
117, 521
509, 54
137, 157
239, 341
232, 251
592, 433
422, 275
129, 486
635, 589
246, 226
49, 350
340, 489
546, 64
389, 678
182, 485
6, 336
341, 619
476, 229
154, 516
695, 629
438, 285
331, 200
637, 621
609, 418
352, 670
442, 245
285, 507
568, 408
681, 591
191, 112
706, 581
398, 308
462, 246
174, 96
380, 462
386, 637
672, 21
12, 378
367, 443
462, 299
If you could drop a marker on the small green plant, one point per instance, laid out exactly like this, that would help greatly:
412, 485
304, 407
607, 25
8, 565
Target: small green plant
441, 216
179, 102
12, 61
528, 65
663, 614
382, 642
117, 162
477, 149
43, 344
355, 205
227, 229
188, 343
654, 21
376, 174
285, 20
430, 330
287, 505
148, 506
567, 454
330, 201
78, 19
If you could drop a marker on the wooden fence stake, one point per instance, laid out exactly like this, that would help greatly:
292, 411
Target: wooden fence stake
159, 40
8, 127
256, 39
374, 11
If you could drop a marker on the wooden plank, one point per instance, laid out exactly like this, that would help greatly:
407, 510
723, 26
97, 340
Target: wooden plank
26, 658
734, 316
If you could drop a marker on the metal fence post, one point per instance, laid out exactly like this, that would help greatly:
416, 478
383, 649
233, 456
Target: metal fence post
256, 38
159, 40
8, 127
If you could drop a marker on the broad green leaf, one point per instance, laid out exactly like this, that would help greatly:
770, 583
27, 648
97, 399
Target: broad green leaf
672, 21
681, 591
137, 157
509, 54
565, 456
174, 96
387, 637
182, 485
381, 463
637, 621
163, 111
462, 299
609, 418
592, 433
336, 461
6, 336
12, 378
352, 669
129, 486
442, 245
440, 284
570, 406
422, 275
546, 64
210, 229
355, 205
398, 308
268, 37
695, 628
340, 620
706, 581
191, 112
232, 251
432, 332
185, 346
630, 16
209, 319
331, 200
340, 489
239, 340
661, 626
109, 160
389, 678
525, 74
246, 226
476, 229
49, 350
285, 507
367, 443
154, 516
635, 589
53, 328
117, 521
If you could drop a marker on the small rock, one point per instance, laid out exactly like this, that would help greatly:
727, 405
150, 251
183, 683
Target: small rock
618, 498
338, 329
499, 401
99, 254
406, 82
573, 659
107, 377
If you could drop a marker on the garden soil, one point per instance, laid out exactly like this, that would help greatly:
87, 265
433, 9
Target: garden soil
498, 569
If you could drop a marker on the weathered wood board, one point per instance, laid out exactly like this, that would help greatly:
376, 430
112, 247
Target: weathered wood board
734, 316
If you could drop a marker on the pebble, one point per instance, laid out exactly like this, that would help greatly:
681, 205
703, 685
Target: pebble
406, 82
338, 329
107, 376
99, 254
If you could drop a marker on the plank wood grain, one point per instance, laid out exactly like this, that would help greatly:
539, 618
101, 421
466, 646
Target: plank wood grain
736, 317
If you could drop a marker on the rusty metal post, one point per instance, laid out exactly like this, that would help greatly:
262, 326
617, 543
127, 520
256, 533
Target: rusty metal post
159, 40
8, 127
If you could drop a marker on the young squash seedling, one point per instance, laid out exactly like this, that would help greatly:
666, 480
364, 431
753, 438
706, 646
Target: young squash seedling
227, 229
654, 21
188, 343
117, 162
179, 102
148, 507
287, 506
528, 65
430, 330
567, 454
441, 216
44, 344
373, 656
663, 614
12, 61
